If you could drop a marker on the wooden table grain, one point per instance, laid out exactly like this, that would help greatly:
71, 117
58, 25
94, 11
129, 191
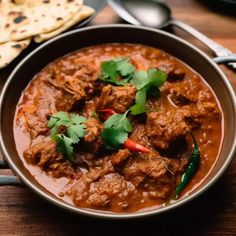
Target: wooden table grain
22, 212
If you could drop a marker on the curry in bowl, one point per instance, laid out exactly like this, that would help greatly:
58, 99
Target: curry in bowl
118, 127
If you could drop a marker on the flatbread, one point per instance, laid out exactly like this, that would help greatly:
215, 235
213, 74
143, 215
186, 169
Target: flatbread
84, 13
21, 19
10, 50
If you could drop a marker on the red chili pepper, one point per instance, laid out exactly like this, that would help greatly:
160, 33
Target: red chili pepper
106, 113
129, 143
134, 146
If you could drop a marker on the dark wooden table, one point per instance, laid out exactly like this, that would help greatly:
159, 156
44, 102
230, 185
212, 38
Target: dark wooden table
214, 213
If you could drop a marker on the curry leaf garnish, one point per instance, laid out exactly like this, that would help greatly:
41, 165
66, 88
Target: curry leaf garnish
67, 130
116, 130
147, 82
118, 71
193, 165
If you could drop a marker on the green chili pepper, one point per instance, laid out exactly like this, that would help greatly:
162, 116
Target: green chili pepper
193, 165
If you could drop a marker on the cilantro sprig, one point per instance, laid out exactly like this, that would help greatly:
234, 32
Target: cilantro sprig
146, 82
72, 128
118, 71
116, 130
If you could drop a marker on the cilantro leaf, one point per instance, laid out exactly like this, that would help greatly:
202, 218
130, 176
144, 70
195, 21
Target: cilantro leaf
52, 122
73, 130
76, 132
112, 120
64, 145
147, 83
59, 119
116, 130
152, 77
76, 119
119, 121
109, 71
125, 68
113, 138
157, 78
117, 71
138, 109
141, 96
68, 147
140, 79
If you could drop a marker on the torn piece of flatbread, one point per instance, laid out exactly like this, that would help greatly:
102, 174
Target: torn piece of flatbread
84, 13
10, 50
21, 19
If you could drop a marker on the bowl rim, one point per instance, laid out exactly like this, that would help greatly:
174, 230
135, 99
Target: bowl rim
103, 214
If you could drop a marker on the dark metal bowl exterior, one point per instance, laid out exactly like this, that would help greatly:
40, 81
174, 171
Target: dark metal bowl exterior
89, 36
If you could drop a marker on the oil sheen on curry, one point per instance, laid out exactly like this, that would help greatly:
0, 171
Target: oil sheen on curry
118, 127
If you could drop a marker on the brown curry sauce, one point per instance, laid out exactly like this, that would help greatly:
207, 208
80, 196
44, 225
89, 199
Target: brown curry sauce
119, 181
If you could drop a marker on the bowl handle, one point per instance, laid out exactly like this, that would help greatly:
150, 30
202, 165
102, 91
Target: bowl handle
6, 179
225, 59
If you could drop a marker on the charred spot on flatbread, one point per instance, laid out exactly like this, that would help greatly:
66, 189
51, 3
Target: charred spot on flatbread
16, 45
13, 13
19, 19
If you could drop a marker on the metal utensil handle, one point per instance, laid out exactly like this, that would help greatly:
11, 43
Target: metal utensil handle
9, 181
225, 59
6, 179
218, 49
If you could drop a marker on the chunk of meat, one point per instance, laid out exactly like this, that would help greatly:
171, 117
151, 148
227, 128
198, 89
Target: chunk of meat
190, 115
100, 187
119, 158
103, 192
183, 92
178, 165
206, 105
173, 71
117, 98
110, 190
93, 131
195, 114
74, 83
67, 101
71, 93
165, 128
74, 77
34, 114
150, 171
42, 153
45, 156
89, 108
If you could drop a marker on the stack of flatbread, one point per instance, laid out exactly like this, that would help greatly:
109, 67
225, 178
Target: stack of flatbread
24, 20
